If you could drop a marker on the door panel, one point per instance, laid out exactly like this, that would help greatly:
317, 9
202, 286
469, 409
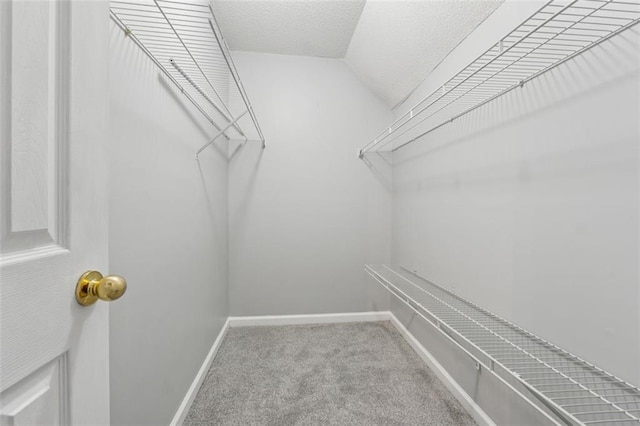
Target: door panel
53, 223
39, 399
34, 81
35, 86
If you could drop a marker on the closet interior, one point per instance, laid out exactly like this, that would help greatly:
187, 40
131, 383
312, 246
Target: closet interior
495, 215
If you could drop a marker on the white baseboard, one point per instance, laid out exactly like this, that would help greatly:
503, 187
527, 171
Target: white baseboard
467, 402
463, 397
184, 407
308, 319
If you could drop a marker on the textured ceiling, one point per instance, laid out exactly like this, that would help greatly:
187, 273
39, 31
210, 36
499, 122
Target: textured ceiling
397, 43
292, 27
392, 45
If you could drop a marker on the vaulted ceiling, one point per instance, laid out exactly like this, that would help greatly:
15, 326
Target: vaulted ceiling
392, 45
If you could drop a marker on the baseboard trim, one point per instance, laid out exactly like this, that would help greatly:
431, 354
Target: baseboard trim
308, 319
460, 394
266, 320
184, 407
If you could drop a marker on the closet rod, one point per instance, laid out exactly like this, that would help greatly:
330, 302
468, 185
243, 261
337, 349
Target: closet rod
234, 72
445, 90
449, 335
221, 132
132, 36
541, 364
557, 32
520, 84
201, 72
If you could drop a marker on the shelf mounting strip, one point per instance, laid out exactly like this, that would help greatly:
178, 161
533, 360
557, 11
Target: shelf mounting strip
184, 40
557, 32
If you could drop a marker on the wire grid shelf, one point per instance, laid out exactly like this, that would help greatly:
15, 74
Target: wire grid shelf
554, 34
578, 392
184, 40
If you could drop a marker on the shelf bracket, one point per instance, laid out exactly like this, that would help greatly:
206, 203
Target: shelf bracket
220, 133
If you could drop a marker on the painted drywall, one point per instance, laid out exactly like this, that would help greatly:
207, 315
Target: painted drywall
168, 237
306, 214
529, 205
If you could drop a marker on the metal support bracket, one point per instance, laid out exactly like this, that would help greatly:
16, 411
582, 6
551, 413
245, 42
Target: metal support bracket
220, 133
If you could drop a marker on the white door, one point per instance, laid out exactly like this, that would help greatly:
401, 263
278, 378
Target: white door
54, 353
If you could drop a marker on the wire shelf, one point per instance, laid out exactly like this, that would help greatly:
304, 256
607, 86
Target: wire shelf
557, 32
184, 40
575, 390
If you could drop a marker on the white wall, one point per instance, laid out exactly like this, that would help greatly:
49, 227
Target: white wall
306, 214
168, 238
529, 205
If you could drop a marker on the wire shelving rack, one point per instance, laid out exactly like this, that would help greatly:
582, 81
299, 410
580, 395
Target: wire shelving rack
577, 392
557, 32
184, 40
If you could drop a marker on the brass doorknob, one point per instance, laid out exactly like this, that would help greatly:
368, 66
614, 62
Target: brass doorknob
93, 286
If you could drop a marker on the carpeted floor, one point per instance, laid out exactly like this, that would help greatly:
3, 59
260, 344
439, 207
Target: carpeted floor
339, 374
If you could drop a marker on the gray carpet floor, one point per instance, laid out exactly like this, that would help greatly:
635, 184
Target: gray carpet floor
337, 374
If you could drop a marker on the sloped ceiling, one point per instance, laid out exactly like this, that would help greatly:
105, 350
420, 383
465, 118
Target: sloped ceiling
392, 45
397, 43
